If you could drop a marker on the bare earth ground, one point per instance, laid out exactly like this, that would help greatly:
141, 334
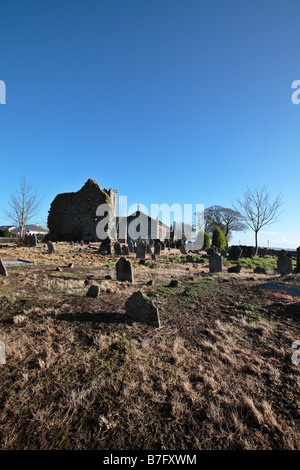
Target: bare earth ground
79, 374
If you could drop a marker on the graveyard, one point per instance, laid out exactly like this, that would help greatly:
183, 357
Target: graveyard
117, 348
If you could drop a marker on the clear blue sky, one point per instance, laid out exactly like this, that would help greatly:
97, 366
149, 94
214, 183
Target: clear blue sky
167, 101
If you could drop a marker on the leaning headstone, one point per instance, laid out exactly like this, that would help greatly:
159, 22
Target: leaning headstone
125, 250
130, 246
215, 263
3, 270
284, 264
93, 291
50, 247
157, 248
140, 308
124, 270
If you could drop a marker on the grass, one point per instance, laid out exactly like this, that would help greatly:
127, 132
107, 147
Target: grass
269, 263
79, 376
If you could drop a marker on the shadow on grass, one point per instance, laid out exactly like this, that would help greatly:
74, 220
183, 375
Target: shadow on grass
103, 317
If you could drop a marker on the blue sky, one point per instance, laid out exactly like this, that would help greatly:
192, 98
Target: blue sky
167, 101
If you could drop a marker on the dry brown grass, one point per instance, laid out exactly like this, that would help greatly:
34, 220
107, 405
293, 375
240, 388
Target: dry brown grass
79, 375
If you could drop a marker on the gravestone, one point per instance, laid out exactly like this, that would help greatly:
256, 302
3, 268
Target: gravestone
124, 270
140, 308
141, 250
117, 248
32, 240
125, 250
153, 257
235, 269
215, 263
182, 249
50, 248
284, 264
3, 270
130, 246
157, 248
149, 250
235, 252
248, 251
298, 259
189, 259
105, 247
93, 291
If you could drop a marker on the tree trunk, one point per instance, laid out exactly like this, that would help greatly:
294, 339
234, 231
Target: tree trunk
256, 244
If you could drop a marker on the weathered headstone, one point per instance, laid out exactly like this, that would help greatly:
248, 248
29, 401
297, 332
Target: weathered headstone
32, 240
182, 249
3, 270
149, 249
235, 252
284, 264
50, 247
235, 269
298, 259
124, 270
189, 259
130, 246
105, 247
157, 248
140, 308
117, 248
215, 263
125, 250
93, 291
141, 250
153, 257
248, 251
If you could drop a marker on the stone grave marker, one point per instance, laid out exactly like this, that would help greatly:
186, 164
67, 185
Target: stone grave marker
215, 263
124, 270
140, 308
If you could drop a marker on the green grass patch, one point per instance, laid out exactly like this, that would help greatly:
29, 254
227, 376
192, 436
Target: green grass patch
269, 263
110, 265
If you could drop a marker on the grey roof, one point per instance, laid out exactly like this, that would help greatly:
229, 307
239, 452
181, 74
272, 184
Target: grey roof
33, 228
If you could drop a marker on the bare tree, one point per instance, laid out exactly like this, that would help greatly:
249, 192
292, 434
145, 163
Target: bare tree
258, 210
228, 220
23, 205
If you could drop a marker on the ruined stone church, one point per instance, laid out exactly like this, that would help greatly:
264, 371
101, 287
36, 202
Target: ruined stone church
72, 216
